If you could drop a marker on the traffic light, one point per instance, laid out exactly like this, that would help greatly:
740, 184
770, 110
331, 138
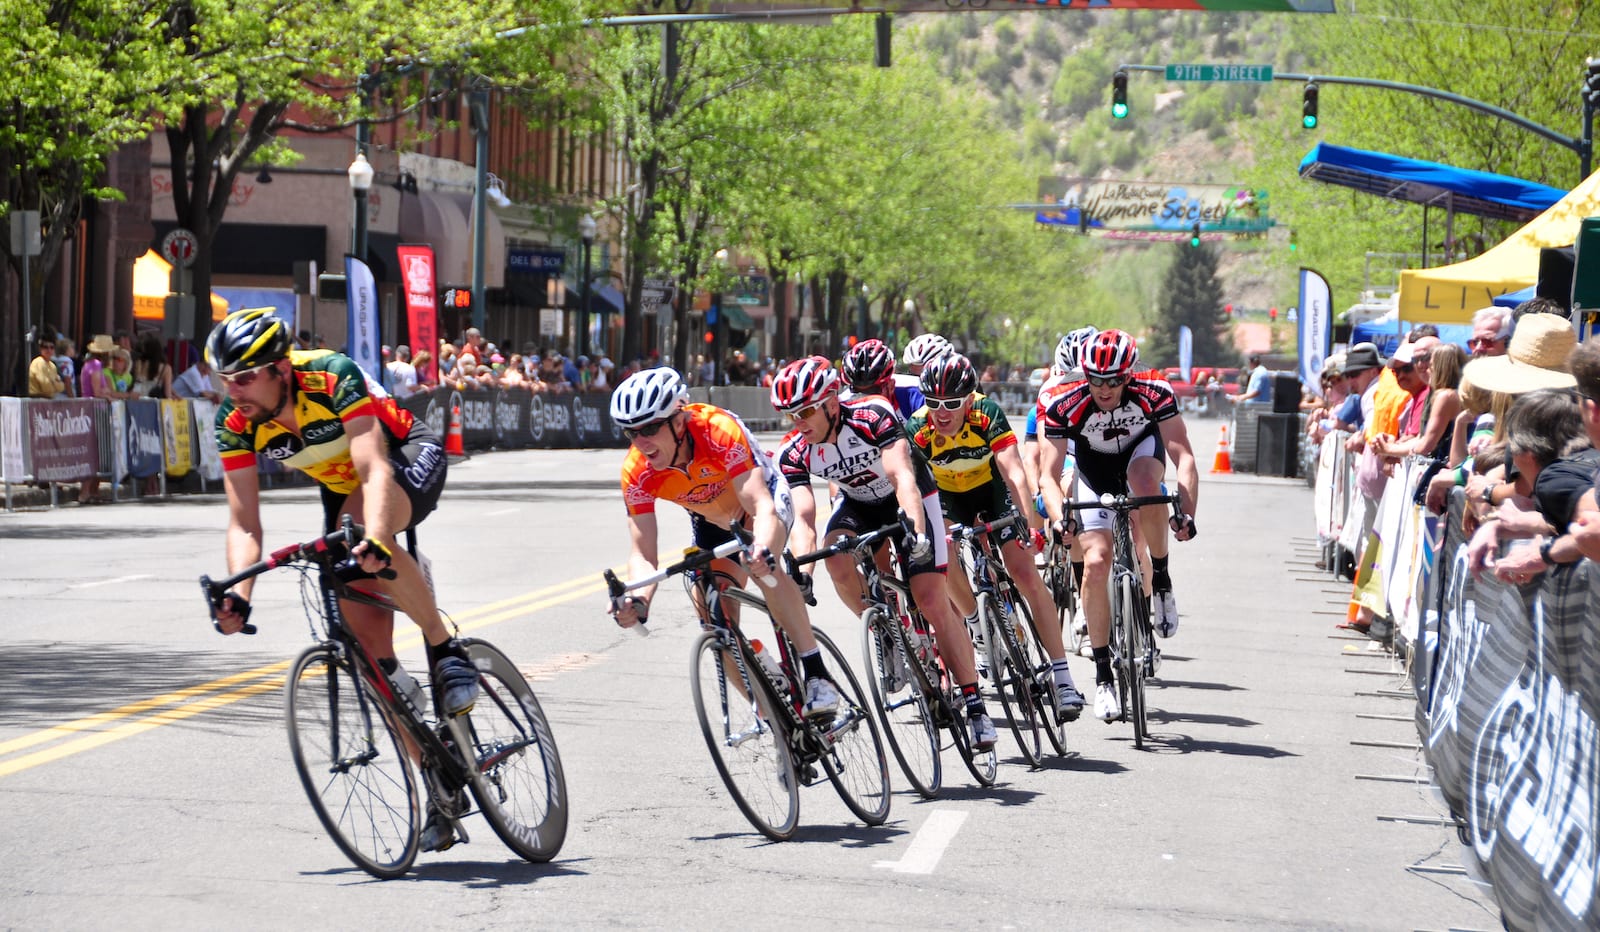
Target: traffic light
1294, 243
460, 298
1227, 310
1308, 109
1119, 94
1591, 82
1194, 236
1272, 313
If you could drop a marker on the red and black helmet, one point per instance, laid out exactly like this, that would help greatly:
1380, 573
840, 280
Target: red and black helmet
1111, 354
804, 382
868, 363
949, 376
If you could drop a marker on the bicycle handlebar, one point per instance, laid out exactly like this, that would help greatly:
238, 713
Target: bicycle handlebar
348, 535
694, 560
962, 531
1124, 502
848, 544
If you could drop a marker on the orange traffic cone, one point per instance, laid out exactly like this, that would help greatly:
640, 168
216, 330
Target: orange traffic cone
453, 445
1224, 459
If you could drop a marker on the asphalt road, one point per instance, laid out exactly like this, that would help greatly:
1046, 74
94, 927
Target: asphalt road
145, 779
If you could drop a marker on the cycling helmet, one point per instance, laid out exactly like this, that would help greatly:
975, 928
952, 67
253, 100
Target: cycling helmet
1070, 350
246, 339
1111, 353
949, 376
925, 349
804, 382
648, 395
868, 363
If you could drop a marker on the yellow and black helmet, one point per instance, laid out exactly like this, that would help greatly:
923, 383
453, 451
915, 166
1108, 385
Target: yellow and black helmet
246, 339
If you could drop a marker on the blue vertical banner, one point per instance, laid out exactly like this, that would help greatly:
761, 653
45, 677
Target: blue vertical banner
362, 300
1186, 352
1316, 327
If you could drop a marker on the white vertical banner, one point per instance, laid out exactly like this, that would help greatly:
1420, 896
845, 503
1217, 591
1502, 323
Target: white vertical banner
13, 468
1186, 352
205, 416
1316, 327
119, 441
362, 299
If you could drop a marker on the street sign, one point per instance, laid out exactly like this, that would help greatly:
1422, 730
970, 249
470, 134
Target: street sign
179, 247
549, 322
655, 293
1219, 72
25, 233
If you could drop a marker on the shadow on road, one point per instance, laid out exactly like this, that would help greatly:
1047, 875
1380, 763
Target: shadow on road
999, 793
1194, 684
60, 682
1184, 744
480, 875
120, 532
1200, 718
848, 836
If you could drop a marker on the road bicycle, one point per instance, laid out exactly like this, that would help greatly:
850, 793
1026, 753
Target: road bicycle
915, 696
1019, 668
1133, 650
763, 747
356, 739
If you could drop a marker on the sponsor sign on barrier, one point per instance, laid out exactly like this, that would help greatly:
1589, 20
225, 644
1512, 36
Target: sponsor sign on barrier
515, 419
13, 468
62, 439
146, 451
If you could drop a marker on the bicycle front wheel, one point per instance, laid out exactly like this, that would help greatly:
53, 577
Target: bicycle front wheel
1042, 680
902, 707
352, 763
747, 741
945, 704
854, 758
1130, 659
1012, 677
515, 768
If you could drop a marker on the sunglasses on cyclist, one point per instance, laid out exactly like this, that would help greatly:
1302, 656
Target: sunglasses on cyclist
946, 404
244, 376
1110, 381
801, 414
647, 430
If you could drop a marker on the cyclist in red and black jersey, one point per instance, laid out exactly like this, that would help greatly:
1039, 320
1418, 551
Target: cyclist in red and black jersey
860, 446
1120, 428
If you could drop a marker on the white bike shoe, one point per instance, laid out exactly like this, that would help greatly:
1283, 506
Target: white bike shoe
1166, 612
822, 698
1107, 708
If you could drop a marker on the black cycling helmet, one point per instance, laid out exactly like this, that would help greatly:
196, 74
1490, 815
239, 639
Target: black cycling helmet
246, 339
949, 376
868, 363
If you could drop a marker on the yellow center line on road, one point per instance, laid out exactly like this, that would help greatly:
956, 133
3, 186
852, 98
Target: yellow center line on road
478, 617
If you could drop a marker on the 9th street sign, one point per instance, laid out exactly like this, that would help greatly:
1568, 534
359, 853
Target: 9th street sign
1219, 72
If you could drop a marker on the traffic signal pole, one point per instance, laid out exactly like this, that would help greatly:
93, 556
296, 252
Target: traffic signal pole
1582, 146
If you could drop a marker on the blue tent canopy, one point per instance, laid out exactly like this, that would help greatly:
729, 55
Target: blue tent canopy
1514, 298
1460, 190
1386, 335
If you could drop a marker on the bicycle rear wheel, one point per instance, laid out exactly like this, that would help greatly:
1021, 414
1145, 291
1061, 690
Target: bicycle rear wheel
1041, 678
854, 759
1012, 676
352, 763
515, 768
747, 741
907, 724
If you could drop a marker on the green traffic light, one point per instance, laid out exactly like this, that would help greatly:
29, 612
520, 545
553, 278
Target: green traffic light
1119, 110
1309, 121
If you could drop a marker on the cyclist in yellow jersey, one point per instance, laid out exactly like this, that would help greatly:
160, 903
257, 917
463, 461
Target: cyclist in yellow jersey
315, 412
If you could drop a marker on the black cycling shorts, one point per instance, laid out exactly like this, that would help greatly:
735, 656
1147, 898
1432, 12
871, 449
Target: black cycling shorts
419, 465
985, 503
864, 517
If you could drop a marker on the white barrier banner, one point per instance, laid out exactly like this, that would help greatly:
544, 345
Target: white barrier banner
205, 417
12, 466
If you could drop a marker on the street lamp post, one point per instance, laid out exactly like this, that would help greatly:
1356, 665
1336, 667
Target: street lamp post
719, 327
360, 173
586, 232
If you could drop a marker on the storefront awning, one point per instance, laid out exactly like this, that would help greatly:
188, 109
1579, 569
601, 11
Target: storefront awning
443, 220
152, 282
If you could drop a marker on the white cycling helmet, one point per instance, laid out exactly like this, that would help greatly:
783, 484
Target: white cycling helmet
925, 349
648, 395
1070, 349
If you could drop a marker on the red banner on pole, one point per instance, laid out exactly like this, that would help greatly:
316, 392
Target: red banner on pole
422, 306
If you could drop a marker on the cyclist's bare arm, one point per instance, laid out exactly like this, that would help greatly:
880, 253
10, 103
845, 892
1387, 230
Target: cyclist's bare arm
243, 488
1016, 478
1175, 437
1054, 456
803, 536
769, 536
1030, 466
897, 464
369, 453
767, 530
641, 563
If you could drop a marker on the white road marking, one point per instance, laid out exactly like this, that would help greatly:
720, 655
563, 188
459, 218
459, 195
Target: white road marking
502, 511
110, 582
928, 845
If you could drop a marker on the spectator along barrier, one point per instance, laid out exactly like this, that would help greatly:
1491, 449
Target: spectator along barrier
1506, 678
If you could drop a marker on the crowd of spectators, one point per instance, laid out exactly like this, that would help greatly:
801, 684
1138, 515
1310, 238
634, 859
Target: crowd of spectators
1515, 426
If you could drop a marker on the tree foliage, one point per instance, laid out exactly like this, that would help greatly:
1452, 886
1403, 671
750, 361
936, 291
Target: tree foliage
1191, 296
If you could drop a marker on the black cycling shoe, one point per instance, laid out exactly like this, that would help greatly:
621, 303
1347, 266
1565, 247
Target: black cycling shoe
457, 680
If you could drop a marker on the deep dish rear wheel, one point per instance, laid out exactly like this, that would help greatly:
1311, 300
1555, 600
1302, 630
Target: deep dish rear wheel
1012, 676
903, 708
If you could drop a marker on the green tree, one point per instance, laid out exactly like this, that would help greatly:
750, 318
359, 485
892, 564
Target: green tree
1191, 296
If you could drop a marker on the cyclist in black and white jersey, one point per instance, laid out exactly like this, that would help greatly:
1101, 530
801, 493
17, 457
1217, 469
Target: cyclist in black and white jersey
1120, 427
861, 447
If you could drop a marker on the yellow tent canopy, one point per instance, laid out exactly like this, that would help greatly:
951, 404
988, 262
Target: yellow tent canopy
152, 277
1451, 294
